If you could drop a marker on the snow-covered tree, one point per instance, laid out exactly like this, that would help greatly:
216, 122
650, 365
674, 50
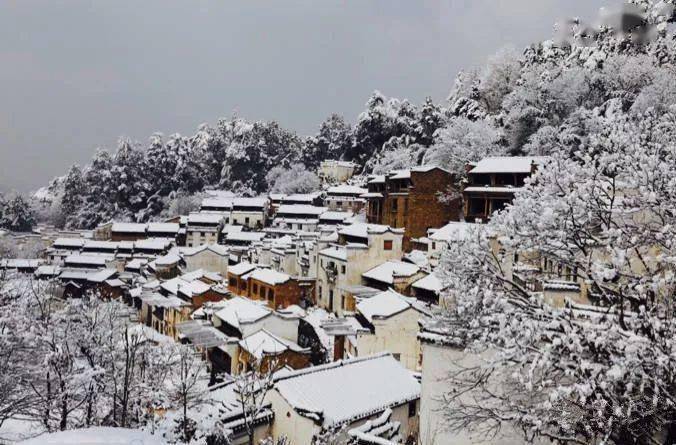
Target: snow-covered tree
577, 374
16, 214
333, 141
464, 141
297, 179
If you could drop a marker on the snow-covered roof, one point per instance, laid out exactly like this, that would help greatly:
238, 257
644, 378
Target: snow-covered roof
242, 310
430, 282
454, 231
136, 263
153, 244
300, 209
69, 242
264, 343
399, 174
19, 263
362, 230
92, 244
245, 236
269, 276
205, 218
163, 227
489, 189
335, 216
346, 189
168, 260
384, 305
371, 195
101, 275
348, 390
379, 179
228, 228
222, 202
300, 197
216, 248
389, 270
336, 252
97, 436
195, 287
260, 201
417, 257
241, 268
337, 163
507, 164
124, 227
48, 270
93, 260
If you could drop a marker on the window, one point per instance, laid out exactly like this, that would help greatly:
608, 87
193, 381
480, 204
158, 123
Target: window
387, 244
412, 408
395, 206
255, 288
232, 282
246, 220
271, 294
396, 356
342, 269
434, 245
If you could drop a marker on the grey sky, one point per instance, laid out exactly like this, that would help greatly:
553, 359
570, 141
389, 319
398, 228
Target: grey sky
76, 75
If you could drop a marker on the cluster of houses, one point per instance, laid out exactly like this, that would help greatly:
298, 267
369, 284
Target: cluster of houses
331, 291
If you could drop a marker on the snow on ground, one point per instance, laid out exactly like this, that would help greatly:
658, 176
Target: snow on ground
96, 436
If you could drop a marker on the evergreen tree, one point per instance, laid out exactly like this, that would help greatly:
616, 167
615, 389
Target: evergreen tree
16, 215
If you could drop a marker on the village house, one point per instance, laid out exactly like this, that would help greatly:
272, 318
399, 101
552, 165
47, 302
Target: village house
241, 318
270, 353
243, 239
163, 230
492, 182
215, 204
410, 199
122, 231
335, 172
345, 198
166, 266
393, 274
334, 218
209, 257
237, 277
438, 240
249, 212
278, 289
300, 217
203, 228
391, 323
428, 289
152, 247
345, 393
360, 247
310, 199
62, 247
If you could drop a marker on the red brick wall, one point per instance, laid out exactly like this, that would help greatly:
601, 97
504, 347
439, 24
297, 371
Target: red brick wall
285, 294
424, 208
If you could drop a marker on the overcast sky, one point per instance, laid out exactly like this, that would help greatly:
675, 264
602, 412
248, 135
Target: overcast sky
77, 75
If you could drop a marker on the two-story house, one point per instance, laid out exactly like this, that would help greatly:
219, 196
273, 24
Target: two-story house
417, 200
359, 247
492, 183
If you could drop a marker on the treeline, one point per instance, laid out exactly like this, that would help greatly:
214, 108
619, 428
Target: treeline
137, 182
535, 102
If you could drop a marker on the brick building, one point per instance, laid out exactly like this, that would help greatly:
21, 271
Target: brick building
410, 199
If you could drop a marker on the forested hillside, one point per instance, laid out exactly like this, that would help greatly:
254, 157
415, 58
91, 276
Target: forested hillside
548, 97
